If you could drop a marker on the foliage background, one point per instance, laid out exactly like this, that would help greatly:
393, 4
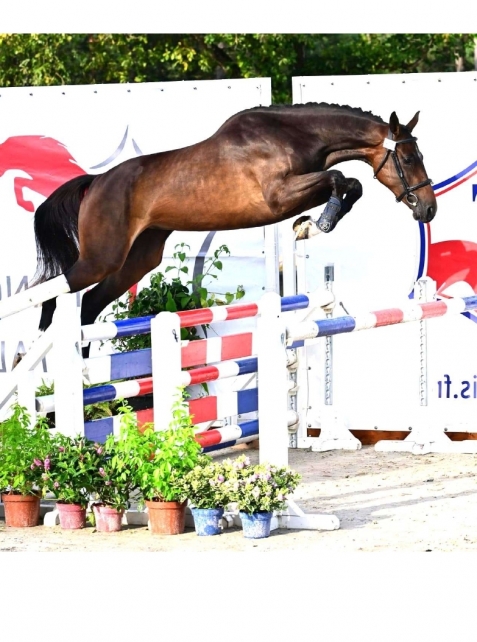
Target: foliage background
78, 59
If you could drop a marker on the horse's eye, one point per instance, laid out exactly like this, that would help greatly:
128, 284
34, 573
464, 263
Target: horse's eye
407, 160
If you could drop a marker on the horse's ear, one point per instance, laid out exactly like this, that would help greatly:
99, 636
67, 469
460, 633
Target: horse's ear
412, 123
394, 124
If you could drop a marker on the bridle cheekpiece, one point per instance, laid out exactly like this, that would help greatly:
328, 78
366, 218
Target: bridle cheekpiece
390, 145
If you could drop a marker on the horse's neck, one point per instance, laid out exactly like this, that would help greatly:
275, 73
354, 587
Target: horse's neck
352, 139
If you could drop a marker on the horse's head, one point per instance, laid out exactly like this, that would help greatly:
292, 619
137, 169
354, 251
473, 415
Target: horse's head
398, 164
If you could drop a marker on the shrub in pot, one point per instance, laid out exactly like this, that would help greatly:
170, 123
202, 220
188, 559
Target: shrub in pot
24, 459
72, 472
115, 480
258, 491
159, 460
206, 491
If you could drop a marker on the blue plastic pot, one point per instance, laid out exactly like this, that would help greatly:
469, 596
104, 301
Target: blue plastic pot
207, 520
256, 525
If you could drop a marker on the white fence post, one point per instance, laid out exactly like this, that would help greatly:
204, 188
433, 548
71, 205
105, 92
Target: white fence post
166, 366
26, 394
271, 249
68, 367
272, 382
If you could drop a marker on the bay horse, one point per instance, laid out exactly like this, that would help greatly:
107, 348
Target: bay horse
262, 166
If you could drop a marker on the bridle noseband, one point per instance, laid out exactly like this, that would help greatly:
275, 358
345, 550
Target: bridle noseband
390, 145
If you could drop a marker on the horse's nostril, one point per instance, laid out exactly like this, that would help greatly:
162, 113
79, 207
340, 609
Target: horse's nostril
430, 213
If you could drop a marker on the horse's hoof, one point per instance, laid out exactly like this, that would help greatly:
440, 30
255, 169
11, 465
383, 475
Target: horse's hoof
327, 220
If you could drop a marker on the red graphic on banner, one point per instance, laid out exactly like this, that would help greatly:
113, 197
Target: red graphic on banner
47, 162
452, 261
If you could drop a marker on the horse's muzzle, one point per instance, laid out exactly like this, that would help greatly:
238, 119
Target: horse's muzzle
424, 214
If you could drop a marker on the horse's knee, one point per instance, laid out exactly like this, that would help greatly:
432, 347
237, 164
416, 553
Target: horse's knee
354, 187
337, 182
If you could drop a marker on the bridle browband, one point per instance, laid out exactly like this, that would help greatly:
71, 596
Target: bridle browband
390, 145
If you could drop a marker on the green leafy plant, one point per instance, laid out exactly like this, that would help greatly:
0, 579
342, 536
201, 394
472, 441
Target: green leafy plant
173, 296
72, 468
115, 482
161, 458
24, 451
204, 485
262, 487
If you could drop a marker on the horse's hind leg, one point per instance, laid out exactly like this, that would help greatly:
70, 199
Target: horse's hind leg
145, 254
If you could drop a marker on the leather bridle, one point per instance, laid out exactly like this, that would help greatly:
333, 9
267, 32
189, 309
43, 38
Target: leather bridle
390, 145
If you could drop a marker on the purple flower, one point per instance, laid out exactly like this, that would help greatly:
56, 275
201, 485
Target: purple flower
61, 449
33, 466
47, 463
101, 472
220, 478
107, 483
56, 485
37, 462
99, 450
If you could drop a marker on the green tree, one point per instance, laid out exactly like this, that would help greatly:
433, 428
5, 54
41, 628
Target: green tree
72, 59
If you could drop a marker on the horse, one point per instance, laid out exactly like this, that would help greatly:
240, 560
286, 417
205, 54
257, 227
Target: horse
262, 166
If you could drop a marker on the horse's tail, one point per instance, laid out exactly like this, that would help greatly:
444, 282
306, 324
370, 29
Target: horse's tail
56, 229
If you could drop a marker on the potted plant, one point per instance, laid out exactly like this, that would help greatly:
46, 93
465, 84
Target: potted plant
258, 491
173, 295
205, 489
159, 460
115, 479
72, 471
24, 451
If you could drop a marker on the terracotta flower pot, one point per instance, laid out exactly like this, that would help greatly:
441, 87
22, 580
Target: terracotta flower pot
166, 518
108, 520
72, 516
21, 511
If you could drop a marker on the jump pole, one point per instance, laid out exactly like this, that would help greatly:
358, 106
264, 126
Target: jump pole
425, 439
33, 296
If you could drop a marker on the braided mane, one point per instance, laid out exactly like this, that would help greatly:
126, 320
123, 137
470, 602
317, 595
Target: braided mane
325, 106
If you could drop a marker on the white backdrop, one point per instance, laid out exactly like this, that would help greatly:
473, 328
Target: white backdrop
101, 126
378, 256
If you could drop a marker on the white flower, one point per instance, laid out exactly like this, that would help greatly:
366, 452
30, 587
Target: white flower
256, 492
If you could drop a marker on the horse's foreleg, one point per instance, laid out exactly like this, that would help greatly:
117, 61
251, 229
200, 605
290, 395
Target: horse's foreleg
354, 191
305, 192
339, 204
145, 254
294, 194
